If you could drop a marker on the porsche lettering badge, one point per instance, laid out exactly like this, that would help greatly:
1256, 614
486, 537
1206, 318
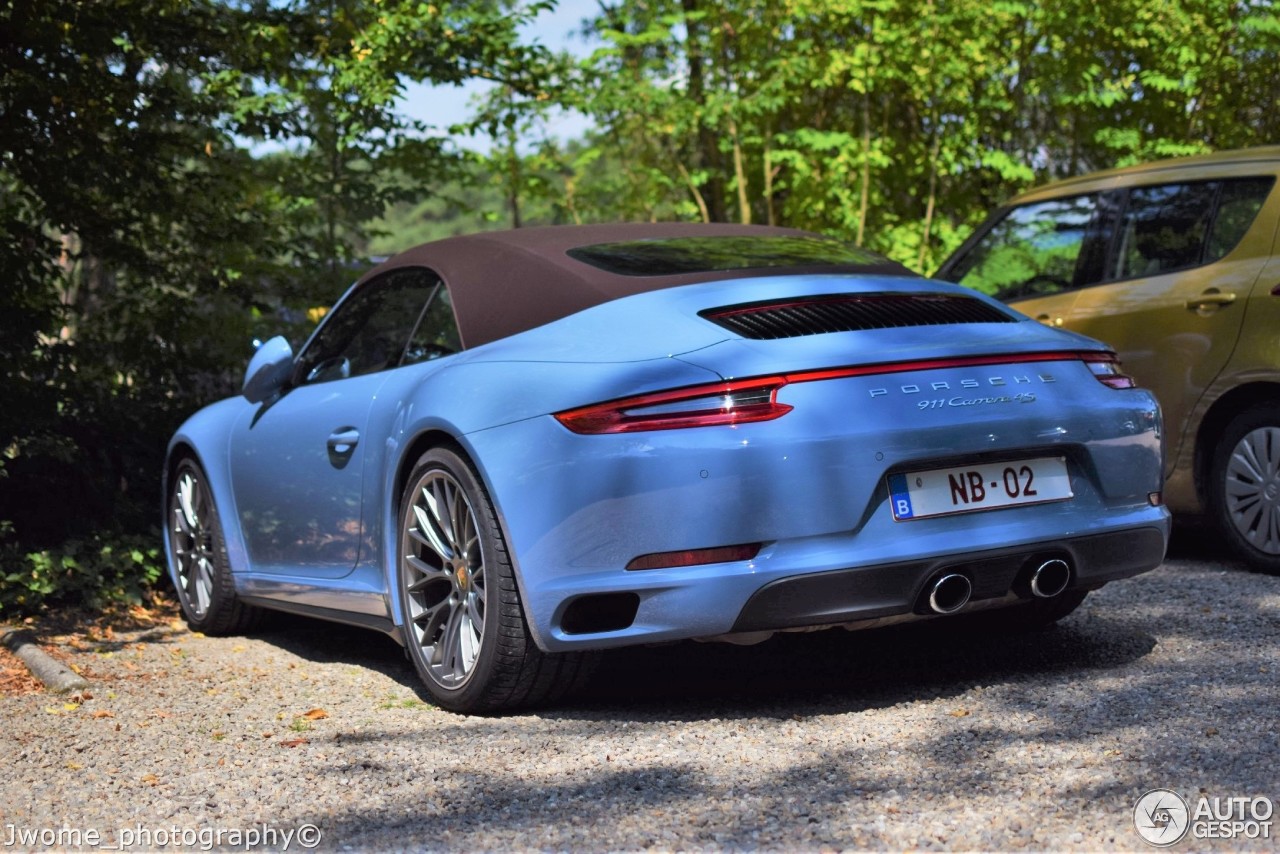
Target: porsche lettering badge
969, 384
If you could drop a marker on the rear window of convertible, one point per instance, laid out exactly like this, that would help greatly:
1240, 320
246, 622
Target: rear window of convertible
675, 255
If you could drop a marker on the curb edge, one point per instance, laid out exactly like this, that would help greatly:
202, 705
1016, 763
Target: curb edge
56, 676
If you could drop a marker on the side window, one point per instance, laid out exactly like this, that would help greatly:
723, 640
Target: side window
1238, 207
1163, 229
368, 332
437, 332
1039, 249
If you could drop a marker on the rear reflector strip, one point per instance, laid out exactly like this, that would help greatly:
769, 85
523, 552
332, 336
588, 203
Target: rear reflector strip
695, 557
931, 365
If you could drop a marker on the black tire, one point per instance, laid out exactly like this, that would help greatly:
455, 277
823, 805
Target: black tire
454, 571
1032, 616
1244, 487
198, 552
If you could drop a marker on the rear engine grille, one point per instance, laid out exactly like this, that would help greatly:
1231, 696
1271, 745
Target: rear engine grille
851, 312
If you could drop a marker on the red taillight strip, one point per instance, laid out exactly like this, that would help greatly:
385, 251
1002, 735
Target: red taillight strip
935, 364
1113, 378
1119, 381
611, 416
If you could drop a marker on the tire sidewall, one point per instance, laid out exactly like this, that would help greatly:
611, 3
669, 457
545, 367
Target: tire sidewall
471, 694
1241, 426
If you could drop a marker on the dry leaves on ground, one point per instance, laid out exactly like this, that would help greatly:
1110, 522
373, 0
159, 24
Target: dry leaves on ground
15, 678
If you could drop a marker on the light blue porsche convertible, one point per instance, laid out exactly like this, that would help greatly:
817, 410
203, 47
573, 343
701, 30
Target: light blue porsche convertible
510, 450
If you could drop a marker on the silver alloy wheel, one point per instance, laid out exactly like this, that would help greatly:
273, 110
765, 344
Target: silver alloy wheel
192, 535
1253, 489
444, 578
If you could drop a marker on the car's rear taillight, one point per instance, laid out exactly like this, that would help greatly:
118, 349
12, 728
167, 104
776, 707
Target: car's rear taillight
735, 402
748, 400
1106, 368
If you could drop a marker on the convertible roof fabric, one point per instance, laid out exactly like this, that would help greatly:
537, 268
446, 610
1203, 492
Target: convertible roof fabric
505, 282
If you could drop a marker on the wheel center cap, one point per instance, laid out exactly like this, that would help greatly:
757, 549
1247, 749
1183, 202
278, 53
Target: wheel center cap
1271, 491
461, 575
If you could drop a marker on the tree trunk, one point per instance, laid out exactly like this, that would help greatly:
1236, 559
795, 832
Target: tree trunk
708, 147
740, 176
695, 192
769, 174
864, 195
933, 195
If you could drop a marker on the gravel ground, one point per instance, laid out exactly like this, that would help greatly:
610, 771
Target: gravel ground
902, 738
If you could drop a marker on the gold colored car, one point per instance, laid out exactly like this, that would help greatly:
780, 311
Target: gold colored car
1175, 265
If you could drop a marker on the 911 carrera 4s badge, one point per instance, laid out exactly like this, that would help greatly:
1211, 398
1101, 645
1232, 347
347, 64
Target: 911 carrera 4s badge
965, 489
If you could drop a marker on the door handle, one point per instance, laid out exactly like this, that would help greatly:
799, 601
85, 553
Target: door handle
1049, 321
344, 441
1211, 298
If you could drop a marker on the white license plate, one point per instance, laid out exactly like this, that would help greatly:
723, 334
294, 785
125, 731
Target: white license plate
964, 489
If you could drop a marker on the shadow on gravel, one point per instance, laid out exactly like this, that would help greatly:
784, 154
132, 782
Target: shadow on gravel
1197, 539
1089, 693
792, 674
798, 674
805, 674
324, 642
161, 635
836, 671
1202, 716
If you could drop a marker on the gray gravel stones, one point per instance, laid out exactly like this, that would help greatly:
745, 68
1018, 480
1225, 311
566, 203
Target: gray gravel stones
908, 738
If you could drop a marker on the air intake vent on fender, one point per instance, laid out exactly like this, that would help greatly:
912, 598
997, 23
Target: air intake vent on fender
850, 312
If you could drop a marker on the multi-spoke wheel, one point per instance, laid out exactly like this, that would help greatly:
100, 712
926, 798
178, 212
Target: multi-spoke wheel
198, 556
444, 578
1245, 487
463, 623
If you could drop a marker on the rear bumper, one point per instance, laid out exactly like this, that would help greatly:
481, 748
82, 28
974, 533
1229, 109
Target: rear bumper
812, 488
889, 590
822, 581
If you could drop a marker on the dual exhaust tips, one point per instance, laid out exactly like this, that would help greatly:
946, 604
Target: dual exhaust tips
951, 591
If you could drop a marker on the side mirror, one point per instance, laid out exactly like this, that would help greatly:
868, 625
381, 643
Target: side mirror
268, 370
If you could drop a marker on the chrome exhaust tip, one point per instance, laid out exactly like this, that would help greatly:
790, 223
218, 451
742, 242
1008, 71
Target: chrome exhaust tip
949, 594
1050, 578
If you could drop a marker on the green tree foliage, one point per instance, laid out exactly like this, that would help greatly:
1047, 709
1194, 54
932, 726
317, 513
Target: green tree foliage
180, 176
897, 124
335, 104
130, 205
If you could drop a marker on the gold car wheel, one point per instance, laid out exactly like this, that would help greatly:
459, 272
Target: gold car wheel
1244, 486
1253, 489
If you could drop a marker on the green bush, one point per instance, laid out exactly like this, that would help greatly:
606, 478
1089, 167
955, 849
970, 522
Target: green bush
90, 573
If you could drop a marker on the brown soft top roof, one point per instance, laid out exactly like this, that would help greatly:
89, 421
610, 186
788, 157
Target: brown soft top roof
505, 282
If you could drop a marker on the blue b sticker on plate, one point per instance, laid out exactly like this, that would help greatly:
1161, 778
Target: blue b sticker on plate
899, 496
